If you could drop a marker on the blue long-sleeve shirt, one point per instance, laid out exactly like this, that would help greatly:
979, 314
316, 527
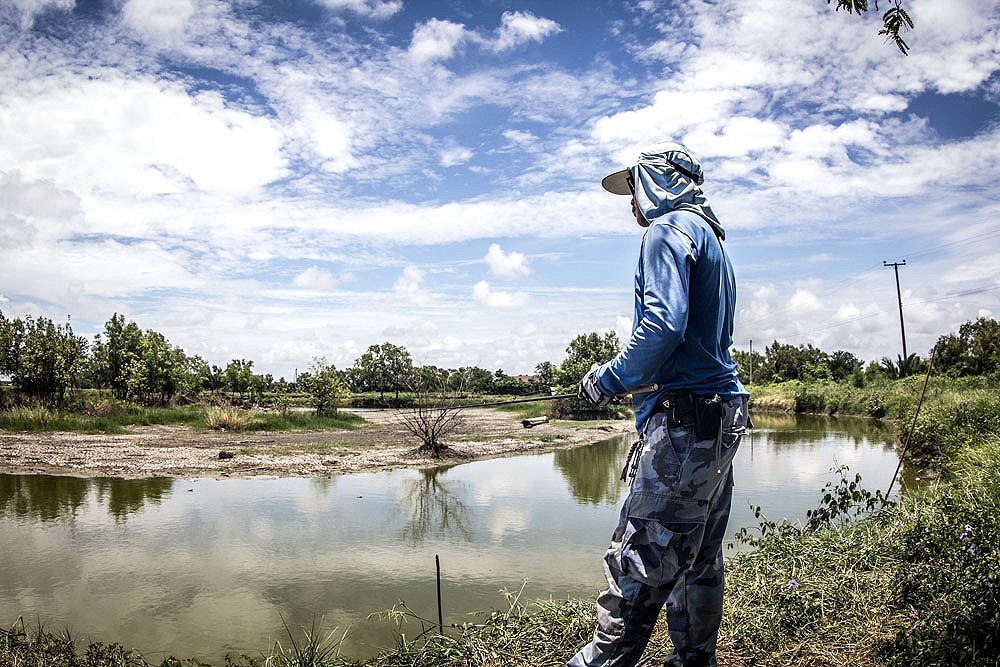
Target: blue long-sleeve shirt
685, 300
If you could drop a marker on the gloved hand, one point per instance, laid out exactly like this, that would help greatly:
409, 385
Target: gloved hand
589, 391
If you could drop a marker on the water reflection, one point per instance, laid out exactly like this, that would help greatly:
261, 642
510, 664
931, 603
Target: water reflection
50, 498
41, 498
793, 430
593, 472
435, 506
128, 496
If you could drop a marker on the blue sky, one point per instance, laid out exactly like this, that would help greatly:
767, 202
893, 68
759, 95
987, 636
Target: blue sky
283, 180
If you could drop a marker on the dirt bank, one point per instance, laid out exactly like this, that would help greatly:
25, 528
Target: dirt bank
380, 444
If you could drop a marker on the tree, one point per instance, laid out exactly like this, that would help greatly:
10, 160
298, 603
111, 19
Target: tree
11, 344
787, 362
844, 365
474, 379
974, 351
325, 386
41, 358
239, 376
894, 20
749, 366
156, 374
382, 368
431, 419
546, 371
583, 352
901, 368
115, 356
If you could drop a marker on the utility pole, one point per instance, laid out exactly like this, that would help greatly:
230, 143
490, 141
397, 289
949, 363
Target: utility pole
899, 298
751, 361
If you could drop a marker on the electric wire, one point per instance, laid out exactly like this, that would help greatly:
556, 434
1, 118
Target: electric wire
840, 285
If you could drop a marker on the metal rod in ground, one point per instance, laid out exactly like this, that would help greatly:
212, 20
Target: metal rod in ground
437, 563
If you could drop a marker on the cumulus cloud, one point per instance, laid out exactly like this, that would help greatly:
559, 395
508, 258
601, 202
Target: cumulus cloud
315, 278
506, 265
409, 286
160, 20
141, 136
517, 28
490, 298
436, 40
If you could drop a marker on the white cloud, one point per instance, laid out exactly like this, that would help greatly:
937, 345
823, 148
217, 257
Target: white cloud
521, 138
315, 278
137, 135
379, 9
518, 28
510, 265
436, 40
493, 299
409, 286
27, 10
452, 154
160, 20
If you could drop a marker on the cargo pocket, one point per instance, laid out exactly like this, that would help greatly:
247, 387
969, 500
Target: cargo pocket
652, 551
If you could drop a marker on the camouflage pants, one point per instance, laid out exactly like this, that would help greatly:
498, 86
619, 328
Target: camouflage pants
667, 548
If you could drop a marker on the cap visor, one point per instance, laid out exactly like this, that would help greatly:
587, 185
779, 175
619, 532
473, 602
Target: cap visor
617, 183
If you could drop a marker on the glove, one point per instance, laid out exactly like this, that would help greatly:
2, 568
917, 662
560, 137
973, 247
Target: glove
590, 392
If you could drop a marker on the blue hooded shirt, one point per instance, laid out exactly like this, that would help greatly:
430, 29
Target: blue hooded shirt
685, 291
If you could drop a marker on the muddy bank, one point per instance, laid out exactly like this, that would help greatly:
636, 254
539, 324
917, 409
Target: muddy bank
380, 444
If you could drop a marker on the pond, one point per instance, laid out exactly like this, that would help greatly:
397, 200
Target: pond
201, 568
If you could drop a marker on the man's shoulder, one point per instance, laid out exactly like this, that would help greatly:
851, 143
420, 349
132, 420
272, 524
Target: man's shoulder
686, 223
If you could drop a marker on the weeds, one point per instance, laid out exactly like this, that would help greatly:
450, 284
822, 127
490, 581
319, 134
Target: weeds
225, 418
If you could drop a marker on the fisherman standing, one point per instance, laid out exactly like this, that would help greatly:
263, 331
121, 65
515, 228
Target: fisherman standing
667, 547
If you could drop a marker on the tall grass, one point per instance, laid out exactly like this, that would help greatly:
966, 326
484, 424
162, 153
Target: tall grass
890, 399
114, 418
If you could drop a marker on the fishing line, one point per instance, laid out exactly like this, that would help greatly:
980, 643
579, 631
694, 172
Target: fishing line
913, 426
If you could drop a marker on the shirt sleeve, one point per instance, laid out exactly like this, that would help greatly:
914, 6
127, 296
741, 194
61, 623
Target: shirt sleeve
662, 291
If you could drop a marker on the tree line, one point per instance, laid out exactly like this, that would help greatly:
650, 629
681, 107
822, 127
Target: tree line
973, 350
44, 361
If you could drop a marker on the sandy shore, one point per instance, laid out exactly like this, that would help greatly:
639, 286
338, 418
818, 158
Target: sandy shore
380, 444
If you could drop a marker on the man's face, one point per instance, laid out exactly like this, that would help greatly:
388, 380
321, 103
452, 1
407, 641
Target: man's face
635, 209
638, 215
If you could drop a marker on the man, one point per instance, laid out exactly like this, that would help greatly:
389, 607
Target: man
667, 548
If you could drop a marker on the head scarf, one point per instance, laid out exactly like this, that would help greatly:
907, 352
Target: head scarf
667, 178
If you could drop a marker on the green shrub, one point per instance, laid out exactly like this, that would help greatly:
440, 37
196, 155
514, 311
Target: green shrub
809, 398
948, 423
948, 580
229, 419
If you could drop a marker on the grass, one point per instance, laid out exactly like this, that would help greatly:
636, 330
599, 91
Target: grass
107, 418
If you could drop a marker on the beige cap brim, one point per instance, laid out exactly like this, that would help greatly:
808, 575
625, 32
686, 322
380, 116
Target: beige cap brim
617, 183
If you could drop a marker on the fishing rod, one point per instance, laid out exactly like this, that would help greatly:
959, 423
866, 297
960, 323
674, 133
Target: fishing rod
530, 399
552, 397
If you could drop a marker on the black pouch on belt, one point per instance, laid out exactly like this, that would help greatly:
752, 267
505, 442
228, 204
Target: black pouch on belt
707, 417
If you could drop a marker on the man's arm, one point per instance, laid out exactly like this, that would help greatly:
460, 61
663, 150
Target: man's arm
666, 258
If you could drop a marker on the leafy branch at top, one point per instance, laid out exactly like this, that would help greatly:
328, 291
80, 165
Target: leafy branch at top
894, 21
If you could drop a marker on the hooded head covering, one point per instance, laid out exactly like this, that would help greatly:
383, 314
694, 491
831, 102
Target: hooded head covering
666, 178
